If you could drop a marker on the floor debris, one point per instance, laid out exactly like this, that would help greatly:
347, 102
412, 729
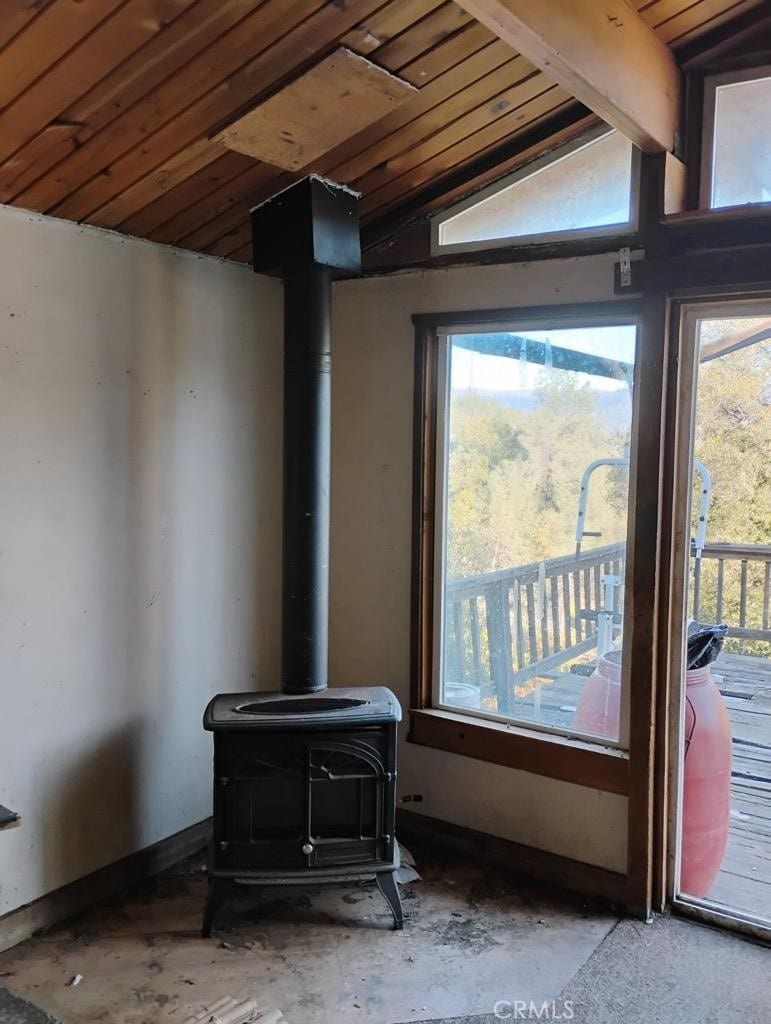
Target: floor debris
232, 1011
406, 872
311, 950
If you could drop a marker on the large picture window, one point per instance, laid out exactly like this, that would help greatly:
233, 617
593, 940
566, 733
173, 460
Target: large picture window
533, 449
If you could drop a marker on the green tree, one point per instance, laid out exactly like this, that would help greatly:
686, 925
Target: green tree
515, 476
483, 436
733, 440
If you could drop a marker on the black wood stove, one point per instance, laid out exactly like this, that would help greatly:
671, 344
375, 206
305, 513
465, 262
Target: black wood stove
305, 778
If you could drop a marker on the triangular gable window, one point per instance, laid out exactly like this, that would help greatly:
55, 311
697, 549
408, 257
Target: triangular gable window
586, 187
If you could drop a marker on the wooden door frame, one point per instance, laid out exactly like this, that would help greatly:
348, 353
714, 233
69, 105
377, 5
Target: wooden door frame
647, 553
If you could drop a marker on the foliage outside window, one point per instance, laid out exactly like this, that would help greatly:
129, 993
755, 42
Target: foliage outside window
534, 479
584, 187
732, 438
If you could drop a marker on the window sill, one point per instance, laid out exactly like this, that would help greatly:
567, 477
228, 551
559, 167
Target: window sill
721, 228
555, 757
716, 214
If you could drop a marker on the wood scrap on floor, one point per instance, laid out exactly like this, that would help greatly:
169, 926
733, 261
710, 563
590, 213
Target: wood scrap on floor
228, 1010
407, 871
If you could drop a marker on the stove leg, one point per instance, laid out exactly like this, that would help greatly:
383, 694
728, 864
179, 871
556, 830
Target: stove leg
218, 890
386, 883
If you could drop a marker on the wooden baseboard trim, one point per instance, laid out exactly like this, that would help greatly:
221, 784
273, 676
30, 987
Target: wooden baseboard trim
71, 899
563, 872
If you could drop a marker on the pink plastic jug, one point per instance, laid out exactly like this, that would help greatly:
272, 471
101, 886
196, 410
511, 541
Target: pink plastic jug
706, 783
599, 707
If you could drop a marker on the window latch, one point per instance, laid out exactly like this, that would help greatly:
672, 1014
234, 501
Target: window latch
625, 267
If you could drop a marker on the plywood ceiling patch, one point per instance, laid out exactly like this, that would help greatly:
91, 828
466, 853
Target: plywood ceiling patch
332, 102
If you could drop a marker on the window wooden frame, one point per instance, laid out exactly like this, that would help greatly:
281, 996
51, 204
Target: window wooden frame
506, 743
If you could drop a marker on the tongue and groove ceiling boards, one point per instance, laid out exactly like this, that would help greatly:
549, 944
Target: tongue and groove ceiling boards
113, 112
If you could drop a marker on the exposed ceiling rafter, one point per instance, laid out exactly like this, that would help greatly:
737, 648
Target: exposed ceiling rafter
603, 54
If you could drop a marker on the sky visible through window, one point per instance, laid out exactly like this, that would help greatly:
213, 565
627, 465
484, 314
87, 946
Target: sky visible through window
478, 371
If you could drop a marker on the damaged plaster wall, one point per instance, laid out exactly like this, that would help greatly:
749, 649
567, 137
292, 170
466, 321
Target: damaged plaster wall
372, 390
140, 410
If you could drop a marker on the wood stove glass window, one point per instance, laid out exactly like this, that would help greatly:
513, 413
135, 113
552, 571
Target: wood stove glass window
533, 469
345, 801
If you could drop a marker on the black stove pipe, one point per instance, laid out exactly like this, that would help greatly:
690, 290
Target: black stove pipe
308, 233
307, 439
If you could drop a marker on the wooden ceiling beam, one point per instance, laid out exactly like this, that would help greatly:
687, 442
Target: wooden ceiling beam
603, 54
110, 108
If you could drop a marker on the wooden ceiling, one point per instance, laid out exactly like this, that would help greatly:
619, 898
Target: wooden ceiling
108, 108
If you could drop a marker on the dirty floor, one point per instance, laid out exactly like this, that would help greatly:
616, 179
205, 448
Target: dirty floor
674, 972
14, 1010
473, 935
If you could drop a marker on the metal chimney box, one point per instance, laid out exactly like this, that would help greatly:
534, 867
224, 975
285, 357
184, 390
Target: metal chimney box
305, 778
312, 222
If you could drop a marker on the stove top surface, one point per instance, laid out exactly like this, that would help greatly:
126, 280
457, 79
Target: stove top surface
343, 705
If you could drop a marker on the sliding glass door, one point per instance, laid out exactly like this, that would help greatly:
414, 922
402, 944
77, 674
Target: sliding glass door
721, 856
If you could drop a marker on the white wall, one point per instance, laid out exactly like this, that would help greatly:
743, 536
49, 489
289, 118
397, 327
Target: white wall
139, 535
371, 538
140, 415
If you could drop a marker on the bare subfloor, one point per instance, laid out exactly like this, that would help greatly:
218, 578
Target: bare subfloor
473, 935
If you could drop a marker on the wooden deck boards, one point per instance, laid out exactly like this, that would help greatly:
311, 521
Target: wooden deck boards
744, 882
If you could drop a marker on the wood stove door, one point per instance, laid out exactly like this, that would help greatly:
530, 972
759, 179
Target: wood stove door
260, 802
346, 792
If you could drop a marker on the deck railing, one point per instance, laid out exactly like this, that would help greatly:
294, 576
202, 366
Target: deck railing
504, 627
732, 583
500, 625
